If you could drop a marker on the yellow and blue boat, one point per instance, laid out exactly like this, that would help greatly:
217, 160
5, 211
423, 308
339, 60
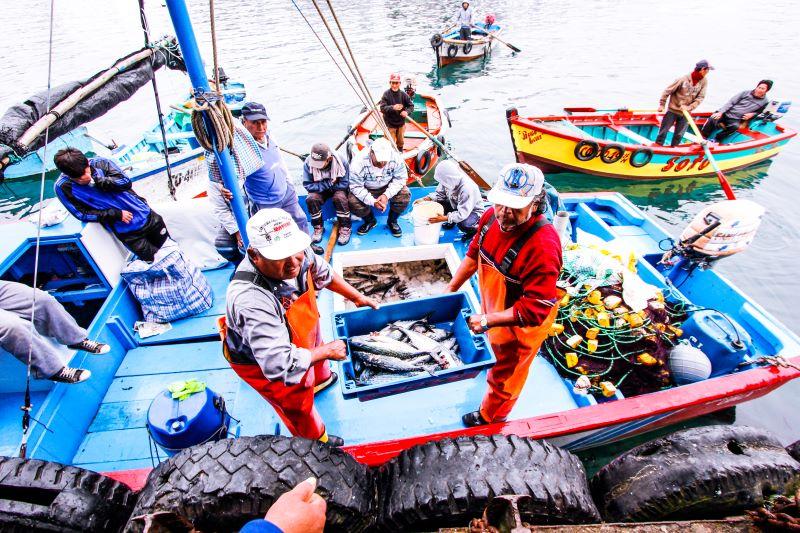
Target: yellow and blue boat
621, 144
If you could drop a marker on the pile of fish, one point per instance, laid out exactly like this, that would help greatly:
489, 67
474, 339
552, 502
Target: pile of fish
400, 281
402, 349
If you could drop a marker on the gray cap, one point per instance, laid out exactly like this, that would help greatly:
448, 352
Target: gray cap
319, 155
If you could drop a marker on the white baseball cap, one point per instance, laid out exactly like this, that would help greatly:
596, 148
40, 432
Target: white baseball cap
517, 186
274, 233
382, 149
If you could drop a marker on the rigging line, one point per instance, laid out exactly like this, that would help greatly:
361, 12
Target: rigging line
214, 46
146, 30
329, 53
27, 407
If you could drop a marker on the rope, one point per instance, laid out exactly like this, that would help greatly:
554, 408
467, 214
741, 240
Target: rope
214, 46
27, 407
219, 117
146, 30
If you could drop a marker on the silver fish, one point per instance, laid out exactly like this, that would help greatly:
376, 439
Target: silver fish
384, 345
390, 364
441, 355
369, 377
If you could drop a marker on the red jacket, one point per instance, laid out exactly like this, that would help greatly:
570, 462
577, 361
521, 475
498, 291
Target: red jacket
537, 266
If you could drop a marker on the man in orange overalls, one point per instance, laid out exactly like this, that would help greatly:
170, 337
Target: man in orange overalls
517, 255
270, 333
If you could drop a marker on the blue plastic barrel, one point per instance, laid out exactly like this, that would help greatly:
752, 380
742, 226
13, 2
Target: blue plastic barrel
175, 424
726, 343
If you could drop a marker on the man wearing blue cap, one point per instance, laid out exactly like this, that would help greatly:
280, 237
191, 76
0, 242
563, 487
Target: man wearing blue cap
517, 255
687, 92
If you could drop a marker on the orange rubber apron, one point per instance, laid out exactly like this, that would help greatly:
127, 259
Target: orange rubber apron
514, 346
293, 403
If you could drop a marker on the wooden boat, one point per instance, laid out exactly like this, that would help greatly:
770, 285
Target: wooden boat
621, 145
450, 48
419, 152
100, 424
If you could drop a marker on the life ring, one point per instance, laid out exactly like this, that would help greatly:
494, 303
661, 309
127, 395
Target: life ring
452, 50
436, 40
612, 153
586, 150
467, 48
636, 161
439, 149
422, 163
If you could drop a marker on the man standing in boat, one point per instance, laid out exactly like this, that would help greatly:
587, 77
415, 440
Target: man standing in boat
96, 190
687, 92
395, 106
464, 21
270, 331
378, 178
261, 169
738, 110
517, 255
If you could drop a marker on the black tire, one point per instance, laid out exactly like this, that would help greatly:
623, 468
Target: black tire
640, 157
467, 48
446, 483
422, 163
794, 450
706, 472
39, 495
585, 150
452, 50
612, 153
436, 40
219, 486
439, 149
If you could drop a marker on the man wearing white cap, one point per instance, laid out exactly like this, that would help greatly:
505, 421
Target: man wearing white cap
270, 331
517, 255
378, 178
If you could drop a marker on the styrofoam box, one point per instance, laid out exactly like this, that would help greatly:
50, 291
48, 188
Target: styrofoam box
381, 256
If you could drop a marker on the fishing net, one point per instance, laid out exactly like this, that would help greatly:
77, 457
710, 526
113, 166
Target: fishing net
613, 331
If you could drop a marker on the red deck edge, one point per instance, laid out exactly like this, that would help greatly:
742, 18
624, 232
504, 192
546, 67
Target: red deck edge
691, 400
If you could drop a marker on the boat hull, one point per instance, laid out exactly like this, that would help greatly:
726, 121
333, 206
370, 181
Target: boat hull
480, 48
542, 142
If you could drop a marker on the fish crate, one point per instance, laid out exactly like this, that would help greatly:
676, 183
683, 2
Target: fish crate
449, 312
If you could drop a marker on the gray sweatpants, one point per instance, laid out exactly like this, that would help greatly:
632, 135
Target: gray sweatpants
49, 319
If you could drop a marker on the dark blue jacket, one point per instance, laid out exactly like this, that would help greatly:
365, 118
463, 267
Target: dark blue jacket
104, 200
342, 184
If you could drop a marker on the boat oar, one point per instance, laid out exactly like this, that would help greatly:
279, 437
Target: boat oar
704, 143
593, 110
332, 241
496, 38
301, 157
463, 164
349, 133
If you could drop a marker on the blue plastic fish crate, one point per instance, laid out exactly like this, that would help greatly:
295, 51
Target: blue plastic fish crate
449, 312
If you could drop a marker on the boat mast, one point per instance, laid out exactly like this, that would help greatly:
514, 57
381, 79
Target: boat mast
194, 67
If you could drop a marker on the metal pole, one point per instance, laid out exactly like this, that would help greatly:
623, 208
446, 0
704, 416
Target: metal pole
194, 67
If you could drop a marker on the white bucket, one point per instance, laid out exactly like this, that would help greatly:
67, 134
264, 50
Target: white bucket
424, 231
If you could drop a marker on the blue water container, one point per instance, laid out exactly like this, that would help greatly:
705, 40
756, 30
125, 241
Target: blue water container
721, 338
175, 424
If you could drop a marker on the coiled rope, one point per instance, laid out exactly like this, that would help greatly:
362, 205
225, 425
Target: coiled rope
218, 117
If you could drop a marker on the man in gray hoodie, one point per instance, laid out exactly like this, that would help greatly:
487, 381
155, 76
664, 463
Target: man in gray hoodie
741, 108
459, 195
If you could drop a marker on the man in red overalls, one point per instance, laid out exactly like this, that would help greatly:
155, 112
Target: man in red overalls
271, 334
517, 255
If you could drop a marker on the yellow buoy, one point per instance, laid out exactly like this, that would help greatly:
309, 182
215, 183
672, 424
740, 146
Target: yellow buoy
572, 359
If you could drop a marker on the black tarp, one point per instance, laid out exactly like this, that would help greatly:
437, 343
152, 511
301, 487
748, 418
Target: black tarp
22, 116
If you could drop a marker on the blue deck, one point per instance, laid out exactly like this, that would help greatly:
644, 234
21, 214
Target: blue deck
100, 424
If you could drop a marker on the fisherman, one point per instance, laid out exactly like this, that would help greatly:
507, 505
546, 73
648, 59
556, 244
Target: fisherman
395, 106
517, 255
23, 340
687, 92
739, 109
262, 173
97, 190
270, 331
326, 176
459, 195
378, 179
464, 21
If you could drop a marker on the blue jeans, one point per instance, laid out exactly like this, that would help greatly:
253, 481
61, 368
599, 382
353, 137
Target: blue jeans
290, 204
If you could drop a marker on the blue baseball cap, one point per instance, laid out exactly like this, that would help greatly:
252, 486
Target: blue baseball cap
517, 186
254, 111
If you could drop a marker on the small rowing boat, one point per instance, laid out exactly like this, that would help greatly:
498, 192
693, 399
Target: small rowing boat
621, 144
450, 48
419, 152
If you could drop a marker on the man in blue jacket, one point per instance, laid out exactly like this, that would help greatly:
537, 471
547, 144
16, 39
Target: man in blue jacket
326, 176
96, 190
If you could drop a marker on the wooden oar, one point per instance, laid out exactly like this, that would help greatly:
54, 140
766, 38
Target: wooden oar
301, 157
332, 241
496, 38
349, 133
463, 164
593, 110
704, 143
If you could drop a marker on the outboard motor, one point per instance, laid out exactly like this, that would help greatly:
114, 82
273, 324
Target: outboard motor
774, 110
